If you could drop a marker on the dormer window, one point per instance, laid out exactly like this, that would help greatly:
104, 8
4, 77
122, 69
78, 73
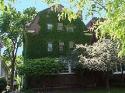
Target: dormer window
49, 26
60, 26
70, 29
31, 31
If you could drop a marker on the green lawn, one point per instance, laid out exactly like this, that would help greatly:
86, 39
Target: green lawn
116, 90
113, 90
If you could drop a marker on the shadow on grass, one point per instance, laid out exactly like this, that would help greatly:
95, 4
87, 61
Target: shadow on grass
113, 90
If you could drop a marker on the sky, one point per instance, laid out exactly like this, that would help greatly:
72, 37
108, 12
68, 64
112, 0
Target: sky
20, 5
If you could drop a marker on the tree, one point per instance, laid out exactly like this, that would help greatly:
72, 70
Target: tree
12, 27
3, 5
101, 56
11, 33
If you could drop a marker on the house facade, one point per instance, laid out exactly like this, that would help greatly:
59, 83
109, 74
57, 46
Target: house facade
46, 36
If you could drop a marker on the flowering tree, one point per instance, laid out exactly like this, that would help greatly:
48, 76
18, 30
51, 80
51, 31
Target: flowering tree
101, 56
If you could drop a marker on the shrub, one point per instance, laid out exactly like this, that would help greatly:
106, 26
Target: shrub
3, 84
37, 67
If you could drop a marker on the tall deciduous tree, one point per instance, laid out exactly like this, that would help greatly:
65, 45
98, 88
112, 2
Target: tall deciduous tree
3, 4
12, 27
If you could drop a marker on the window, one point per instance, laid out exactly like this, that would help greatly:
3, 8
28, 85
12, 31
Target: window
49, 26
71, 44
69, 65
50, 47
60, 26
61, 46
118, 68
31, 31
70, 29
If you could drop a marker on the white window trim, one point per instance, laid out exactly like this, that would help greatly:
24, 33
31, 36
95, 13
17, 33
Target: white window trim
49, 26
60, 26
71, 44
50, 47
61, 44
31, 31
117, 71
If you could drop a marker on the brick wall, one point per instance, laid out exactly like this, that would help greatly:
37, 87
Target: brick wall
67, 81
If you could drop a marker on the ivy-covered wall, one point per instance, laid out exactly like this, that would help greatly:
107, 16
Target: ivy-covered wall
35, 45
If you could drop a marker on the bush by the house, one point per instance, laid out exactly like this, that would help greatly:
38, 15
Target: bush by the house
42, 66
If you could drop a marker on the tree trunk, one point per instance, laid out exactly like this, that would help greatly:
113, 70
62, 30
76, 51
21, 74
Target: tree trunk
122, 74
107, 82
12, 75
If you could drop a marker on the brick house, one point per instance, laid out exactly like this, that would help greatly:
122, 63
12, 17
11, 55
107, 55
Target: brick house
46, 36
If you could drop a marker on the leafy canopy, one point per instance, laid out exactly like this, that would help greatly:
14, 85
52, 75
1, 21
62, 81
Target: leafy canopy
101, 56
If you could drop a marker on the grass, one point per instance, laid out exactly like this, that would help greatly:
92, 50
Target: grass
114, 90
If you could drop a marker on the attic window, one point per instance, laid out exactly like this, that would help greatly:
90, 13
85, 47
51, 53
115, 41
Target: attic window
31, 31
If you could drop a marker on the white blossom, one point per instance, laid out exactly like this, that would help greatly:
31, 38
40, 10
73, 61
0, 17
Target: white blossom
101, 56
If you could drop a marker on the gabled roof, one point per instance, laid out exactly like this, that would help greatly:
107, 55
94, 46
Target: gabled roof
92, 22
51, 7
58, 8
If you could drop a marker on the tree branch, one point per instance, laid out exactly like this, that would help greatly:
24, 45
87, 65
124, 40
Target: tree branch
100, 5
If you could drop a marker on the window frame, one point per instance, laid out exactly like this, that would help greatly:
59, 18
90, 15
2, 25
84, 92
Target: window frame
49, 46
60, 26
71, 46
49, 27
61, 46
30, 30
